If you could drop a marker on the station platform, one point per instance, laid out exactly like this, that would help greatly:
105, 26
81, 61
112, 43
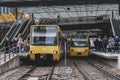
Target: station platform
108, 55
8, 61
6, 57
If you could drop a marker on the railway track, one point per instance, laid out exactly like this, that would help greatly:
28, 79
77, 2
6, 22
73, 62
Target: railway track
92, 72
15, 74
73, 70
66, 72
38, 73
106, 67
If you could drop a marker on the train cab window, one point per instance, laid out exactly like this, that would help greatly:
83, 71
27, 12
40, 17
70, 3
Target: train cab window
79, 42
44, 41
51, 40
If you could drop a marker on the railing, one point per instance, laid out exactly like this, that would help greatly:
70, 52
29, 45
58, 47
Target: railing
8, 52
27, 26
14, 31
8, 33
112, 26
118, 23
26, 30
19, 29
115, 27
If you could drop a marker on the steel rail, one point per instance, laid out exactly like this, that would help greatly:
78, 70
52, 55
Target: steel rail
105, 71
20, 78
85, 75
50, 74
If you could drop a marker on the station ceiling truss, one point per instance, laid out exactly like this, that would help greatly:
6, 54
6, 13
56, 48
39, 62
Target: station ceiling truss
71, 11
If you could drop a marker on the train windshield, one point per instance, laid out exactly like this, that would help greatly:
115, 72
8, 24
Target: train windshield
44, 35
79, 42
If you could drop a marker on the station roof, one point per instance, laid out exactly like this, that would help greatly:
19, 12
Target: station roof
21, 3
70, 11
64, 8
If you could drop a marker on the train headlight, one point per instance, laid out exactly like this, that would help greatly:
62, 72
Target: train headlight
32, 52
54, 52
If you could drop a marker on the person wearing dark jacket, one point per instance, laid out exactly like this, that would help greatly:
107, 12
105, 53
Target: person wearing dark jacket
6, 45
116, 45
15, 49
104, 42
100, 44
96, 42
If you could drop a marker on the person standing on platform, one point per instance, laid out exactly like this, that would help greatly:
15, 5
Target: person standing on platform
111, 43
15, 48
104, 42
11, 45
116, 46
96, 42
6, 45
100, 44
19, 44
25, 45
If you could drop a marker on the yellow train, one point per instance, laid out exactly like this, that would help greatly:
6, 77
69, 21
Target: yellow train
79, 44
45, 42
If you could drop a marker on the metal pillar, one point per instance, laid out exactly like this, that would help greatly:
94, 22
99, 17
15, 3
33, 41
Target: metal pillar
16, 13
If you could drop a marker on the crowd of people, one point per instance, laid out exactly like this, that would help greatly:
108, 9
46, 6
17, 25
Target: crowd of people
16, 45
107, 44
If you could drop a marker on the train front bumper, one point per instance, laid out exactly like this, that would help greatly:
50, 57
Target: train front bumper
45, 56
79, 52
